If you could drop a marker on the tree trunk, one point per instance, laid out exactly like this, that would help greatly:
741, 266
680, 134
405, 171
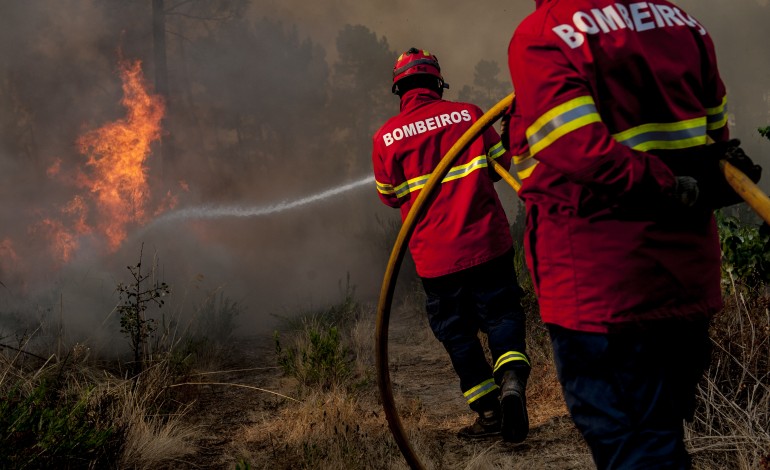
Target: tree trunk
161, 84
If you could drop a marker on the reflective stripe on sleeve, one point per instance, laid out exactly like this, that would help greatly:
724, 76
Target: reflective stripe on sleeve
665, 136
524, 165
385, 188
579, 112
560, 121
510, 356
480, 390
717, 117
419, 182
496, 151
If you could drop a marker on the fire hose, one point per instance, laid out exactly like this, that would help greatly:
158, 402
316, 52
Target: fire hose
742, 185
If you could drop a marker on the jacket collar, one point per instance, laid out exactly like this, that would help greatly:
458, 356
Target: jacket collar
418, 96
539, 3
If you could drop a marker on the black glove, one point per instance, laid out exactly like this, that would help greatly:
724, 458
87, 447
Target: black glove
686, 191
716, 192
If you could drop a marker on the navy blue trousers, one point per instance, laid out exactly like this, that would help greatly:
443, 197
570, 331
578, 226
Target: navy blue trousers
630, 392
486, 297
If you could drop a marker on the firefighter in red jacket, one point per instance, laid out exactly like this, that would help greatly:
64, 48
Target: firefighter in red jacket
462, 246
616, 101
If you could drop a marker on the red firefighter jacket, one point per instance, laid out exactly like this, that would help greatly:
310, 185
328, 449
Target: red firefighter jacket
614, 98
465, 224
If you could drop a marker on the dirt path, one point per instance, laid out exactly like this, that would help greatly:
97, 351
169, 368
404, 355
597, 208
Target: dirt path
421, 374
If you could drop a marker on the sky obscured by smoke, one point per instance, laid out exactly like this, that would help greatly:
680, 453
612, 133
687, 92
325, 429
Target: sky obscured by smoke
268, 101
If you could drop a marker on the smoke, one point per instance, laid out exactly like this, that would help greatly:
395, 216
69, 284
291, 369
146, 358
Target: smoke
741, 38
269, 102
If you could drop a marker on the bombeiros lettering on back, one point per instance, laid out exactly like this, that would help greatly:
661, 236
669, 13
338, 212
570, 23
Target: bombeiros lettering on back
422, 126
638, 16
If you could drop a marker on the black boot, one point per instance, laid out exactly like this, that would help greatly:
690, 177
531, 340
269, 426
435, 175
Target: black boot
515, 420
486, 425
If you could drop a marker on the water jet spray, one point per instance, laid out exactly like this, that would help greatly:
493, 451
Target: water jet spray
241, 211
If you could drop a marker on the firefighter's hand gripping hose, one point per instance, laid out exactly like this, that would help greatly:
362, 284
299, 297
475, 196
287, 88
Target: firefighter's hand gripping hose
742, 185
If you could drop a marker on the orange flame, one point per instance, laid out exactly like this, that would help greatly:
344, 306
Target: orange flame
116, 157
63, 240
115, 179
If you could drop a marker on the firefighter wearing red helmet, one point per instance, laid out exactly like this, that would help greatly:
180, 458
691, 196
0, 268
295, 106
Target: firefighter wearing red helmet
462, 247
616, 101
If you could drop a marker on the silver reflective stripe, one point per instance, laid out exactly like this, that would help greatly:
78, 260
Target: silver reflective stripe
717, 117
385, 188
660, 139
496, 151
454, 173
560, 120
480, 390
411, 185
510, 356
525, 163
464, 170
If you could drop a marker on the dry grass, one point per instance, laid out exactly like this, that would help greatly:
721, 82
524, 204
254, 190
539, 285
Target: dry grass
143, 429
732, 424
341, 424
331, 430
151, 437
345, 427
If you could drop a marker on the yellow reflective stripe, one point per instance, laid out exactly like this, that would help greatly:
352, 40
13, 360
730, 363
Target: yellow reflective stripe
411, 185
524, 165
717, 116
496, 151
665, 136
464, 170
510, 356
517, 159
480, 390
419, 182
524, 174
560, 121
581, 111
384, 188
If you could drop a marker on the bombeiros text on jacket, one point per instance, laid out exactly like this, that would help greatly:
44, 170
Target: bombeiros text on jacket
422, 126
638, 16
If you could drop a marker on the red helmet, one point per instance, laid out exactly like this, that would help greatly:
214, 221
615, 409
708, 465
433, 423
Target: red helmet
416, 61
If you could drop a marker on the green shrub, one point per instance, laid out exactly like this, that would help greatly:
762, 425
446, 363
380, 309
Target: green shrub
46, 429
319, 356
745, 251
764, 132
135, 298
318, 359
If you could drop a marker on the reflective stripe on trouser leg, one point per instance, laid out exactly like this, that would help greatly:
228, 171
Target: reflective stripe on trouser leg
509, 357
484, 388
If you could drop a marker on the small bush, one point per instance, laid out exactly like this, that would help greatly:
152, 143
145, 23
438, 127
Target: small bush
135, 298
320, 355
764, 132
47, 429
318, 359
745, 251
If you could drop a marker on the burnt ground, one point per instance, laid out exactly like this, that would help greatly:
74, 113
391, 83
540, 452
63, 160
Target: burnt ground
422, 378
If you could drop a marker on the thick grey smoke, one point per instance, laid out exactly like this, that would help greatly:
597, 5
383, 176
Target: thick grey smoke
268, 102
